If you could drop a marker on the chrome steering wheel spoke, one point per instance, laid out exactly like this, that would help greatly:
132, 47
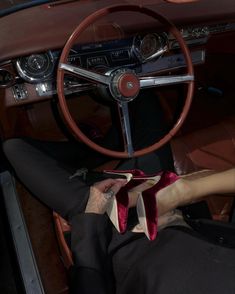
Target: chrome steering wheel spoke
146, 82
86, 74
126, 128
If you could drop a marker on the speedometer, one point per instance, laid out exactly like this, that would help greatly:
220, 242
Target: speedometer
150, 45
35, 67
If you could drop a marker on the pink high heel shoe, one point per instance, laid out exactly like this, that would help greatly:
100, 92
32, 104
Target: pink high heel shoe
119, 205
147, 204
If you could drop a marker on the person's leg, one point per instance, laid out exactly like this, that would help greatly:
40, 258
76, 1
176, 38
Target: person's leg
70, 155
46, 178
45, 167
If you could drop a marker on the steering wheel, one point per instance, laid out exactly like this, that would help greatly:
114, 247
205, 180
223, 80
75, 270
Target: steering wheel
124, 85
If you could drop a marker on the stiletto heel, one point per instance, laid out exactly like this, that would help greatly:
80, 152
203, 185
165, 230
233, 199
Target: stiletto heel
118, 207
147, 204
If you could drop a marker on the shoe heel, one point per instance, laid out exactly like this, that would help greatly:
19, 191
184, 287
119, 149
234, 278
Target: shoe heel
147, 204
118, 208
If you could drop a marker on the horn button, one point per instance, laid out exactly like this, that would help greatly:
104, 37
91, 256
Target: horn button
125, 85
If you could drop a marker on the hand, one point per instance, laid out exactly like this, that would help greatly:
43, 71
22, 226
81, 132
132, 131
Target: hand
101, 193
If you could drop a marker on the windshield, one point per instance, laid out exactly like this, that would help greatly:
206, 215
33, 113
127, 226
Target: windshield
10, 6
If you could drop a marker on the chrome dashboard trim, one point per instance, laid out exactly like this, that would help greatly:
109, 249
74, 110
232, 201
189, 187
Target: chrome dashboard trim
46, 89
173, 62
19, 92
31, 79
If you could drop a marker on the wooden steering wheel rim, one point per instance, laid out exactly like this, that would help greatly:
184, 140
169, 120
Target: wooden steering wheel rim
60, 80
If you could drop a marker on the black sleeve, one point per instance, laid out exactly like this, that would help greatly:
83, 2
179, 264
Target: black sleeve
90, 237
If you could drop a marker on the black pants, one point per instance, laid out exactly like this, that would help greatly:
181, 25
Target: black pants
45, 168
179, 261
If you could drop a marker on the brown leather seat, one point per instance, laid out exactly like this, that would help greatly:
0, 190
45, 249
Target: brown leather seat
209, 148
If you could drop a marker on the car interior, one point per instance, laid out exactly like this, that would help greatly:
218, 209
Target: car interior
70, 73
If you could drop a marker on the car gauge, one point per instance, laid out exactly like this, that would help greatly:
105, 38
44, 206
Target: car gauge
149, 45
35, 67
146, 46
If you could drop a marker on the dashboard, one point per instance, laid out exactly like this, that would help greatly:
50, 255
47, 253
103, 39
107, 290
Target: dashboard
152, 52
